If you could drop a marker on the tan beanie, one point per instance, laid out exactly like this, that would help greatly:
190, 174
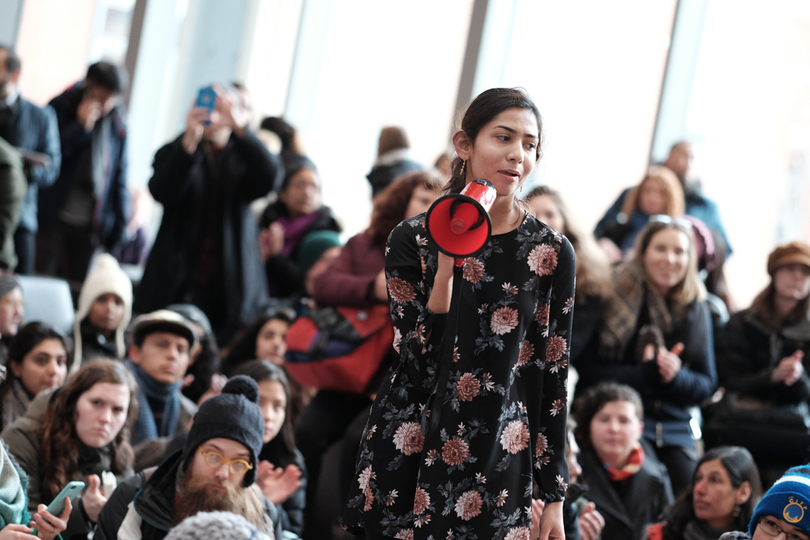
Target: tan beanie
794, 252
106, 277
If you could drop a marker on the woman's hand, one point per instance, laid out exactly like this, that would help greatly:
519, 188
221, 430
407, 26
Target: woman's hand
16, 532
789, 370
217, 383
537, 512
440, 296
48, 525
669, 362
551, 522
195, 127
590, 522
614, 254
271, 241
381, 287
93, 500
276, 483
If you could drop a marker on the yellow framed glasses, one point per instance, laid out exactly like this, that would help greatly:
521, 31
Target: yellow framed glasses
215, 461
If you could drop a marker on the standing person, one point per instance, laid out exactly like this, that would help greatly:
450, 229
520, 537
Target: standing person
393, 159
88, 205
503, 416
13, 187
34, 131
656, 337
206, 251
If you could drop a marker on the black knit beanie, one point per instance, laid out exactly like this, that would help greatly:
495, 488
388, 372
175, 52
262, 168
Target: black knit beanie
234, 415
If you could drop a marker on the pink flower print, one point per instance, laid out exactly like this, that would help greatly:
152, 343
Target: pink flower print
515, 437
510, 289
555, 349
473, 270
400, 290
488, 384
469, 505
431, 458
558, 365
526, 353
568, 305
391, 497
404, 534
561, 482
504, 320
408, 438
480, 478
467, 387
543, 260
421, 520
541, 315
557, 407
369, 499
542, 461
519, 533
455, 355
455, 451
541, 446
397, 339
501, 498
421, 240
371, 431
366, 477
421, 501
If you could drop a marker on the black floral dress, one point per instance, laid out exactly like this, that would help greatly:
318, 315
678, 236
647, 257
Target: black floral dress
503, 412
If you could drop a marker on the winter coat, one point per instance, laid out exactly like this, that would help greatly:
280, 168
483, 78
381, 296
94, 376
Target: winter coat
24, 444
112, 209
143, 506
13, 188
642, 499
183, 183
748, 351
351, 277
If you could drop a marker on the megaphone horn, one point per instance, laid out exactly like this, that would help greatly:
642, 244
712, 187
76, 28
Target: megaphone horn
459, 223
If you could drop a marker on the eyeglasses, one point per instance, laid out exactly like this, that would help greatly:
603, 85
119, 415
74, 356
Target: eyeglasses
669, 220
215, 461
15, 304
771, 528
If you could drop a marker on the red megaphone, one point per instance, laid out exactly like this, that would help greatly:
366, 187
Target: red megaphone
459, 223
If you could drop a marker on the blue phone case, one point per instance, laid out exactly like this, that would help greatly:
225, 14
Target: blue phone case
207, 99
69, 491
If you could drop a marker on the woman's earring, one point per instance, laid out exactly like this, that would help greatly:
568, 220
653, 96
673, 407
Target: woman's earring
736, 511
463, 168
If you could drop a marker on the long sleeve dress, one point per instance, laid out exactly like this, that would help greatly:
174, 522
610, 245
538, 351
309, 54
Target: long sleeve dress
503, 413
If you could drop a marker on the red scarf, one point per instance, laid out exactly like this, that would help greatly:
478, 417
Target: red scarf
632, 467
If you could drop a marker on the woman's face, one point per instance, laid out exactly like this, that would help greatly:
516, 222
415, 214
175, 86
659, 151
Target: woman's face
504, 152
273, 403
792, 281
421, 199
302, 196
11, 312
270, 344
100, 413
106, 313
652, 197
714, 496
547, 211
615, 429
666, 259
45, 366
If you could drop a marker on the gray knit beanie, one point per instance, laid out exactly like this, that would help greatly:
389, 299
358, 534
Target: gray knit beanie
215, 526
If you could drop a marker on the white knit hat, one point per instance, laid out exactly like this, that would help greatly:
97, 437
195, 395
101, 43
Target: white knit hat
106, 277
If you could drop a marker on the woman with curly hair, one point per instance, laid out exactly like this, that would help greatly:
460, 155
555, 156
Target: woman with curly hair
78, 432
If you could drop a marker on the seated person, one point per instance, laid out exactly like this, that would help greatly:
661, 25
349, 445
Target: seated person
77, 432
628, 485
202, 375
12, 309
216, 471
783, 510
37, 360
656, 337
105, 307
725, 489
158, 357
764, 351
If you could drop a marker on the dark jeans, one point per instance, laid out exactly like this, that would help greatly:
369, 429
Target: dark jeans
25, 245
65, 251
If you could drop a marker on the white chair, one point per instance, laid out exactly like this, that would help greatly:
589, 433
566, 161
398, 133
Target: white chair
48, 300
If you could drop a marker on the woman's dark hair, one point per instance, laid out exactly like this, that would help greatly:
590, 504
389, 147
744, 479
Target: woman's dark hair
740, 466
243, 348
592, 402
293, 164
479, 112
764, 306
60, 445
281, 450
206, 357
28, 337
287, 134
391, 203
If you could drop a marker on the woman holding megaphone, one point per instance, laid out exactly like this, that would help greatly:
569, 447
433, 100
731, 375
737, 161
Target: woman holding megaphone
475, 406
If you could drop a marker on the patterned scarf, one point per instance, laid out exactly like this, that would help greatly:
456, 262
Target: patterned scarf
622, 312
632, 467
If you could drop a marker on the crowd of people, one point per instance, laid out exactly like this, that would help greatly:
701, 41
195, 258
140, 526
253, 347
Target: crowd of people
560, 382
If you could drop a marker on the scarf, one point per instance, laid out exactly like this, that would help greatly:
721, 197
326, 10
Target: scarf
622, 312
145, 425
700, 530
15, 402
632, 467
295, 230
13, 499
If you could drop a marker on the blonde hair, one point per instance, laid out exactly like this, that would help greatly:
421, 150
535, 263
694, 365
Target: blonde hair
667, 179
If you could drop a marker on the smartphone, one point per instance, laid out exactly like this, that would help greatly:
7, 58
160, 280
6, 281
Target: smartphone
69, 492
206, 99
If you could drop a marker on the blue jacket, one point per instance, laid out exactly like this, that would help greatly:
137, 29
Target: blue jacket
112, 209
35, 129
697, 205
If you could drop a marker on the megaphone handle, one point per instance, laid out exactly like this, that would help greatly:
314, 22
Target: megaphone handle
432, 411
458, 263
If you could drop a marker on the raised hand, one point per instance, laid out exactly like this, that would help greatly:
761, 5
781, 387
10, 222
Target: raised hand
669, 362
93, 500
278, 483
47, 525
590, 522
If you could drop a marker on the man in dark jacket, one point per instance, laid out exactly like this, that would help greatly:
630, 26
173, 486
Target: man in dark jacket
215, 471
207, 251
33, 130
88, 205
